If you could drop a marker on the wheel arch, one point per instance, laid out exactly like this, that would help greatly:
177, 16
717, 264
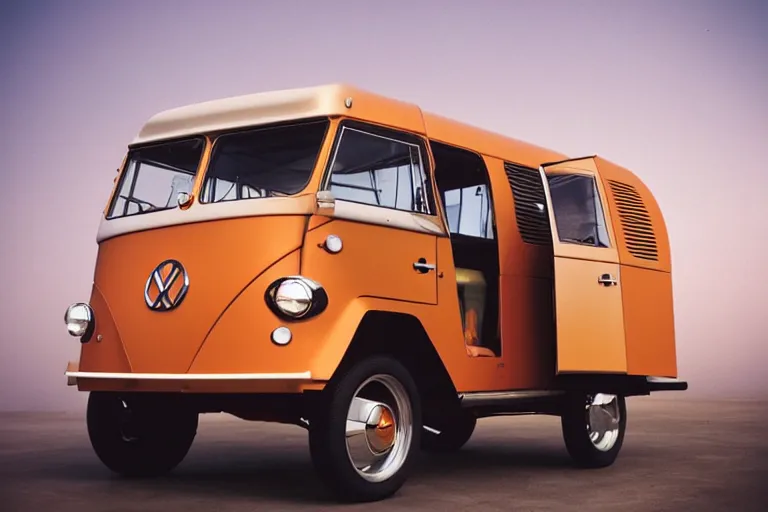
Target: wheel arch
403, 337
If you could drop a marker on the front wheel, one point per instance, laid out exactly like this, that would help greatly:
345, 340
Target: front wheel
139, 436
593, 428
366, 430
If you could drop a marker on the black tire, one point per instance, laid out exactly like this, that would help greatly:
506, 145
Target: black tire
328, 440
455, 431
146, 437
576, 434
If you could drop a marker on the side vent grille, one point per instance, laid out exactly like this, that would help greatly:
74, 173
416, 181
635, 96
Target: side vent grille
639, 237
530, 204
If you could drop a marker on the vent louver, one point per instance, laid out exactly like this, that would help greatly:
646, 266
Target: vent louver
639, 238
530, 204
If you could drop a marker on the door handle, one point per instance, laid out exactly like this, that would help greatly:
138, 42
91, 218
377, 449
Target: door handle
607, 280
422, 266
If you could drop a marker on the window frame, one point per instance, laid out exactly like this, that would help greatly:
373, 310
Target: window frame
395, 135
252, 129
488, 210
129, 160
486, 175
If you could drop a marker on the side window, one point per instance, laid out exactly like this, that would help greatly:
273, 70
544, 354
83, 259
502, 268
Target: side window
464, 187
463, 184
578, 210
380, 170
469, 211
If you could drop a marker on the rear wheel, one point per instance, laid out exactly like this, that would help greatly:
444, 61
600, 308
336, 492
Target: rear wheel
366, 430
593, 428
139, 436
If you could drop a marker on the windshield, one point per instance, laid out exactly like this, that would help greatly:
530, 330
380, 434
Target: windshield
270, 161
155, 175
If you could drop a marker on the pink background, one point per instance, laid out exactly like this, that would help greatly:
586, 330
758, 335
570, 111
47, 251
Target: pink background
674, 90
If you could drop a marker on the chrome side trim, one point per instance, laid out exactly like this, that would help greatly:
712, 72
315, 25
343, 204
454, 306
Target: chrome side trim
505, 396
190, 376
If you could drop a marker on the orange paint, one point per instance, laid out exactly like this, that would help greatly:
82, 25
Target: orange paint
221, 257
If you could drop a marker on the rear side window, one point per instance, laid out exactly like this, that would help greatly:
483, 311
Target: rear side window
578, 210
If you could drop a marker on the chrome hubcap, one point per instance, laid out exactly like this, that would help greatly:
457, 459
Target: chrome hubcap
379, 428
603, 417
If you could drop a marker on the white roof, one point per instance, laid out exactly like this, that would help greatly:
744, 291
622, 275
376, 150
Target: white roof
249, 110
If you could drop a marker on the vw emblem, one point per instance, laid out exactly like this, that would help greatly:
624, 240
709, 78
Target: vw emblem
167, 286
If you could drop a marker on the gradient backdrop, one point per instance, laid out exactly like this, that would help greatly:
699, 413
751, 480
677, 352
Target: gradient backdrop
674, 90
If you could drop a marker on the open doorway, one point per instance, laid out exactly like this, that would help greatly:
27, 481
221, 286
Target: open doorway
465, 190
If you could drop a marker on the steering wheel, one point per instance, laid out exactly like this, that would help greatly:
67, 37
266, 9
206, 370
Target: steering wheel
143, 205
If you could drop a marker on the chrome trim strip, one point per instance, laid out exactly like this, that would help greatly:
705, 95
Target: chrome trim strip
483, 396
191, 376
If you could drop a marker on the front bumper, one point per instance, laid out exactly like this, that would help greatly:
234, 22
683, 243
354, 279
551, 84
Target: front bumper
192, 382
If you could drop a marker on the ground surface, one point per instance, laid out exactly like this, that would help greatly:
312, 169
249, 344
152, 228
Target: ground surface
679, 454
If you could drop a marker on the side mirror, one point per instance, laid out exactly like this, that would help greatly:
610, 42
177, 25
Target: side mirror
325, 202
184, 200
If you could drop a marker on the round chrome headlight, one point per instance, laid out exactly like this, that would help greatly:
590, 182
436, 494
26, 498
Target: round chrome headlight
293, 297
79, 319
296, 297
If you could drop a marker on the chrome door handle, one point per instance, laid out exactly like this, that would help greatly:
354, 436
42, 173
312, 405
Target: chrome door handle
607, 280
422, 266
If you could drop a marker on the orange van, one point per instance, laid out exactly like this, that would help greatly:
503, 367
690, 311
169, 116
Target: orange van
381, 276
